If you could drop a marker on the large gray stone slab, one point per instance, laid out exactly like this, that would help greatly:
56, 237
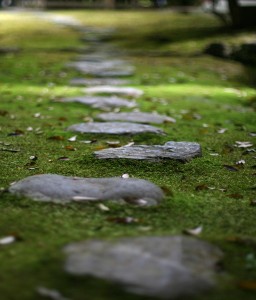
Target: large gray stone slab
120, 90
139, 117
101, 101
98, 81
182, 151
62, 189
114, 128
162, 267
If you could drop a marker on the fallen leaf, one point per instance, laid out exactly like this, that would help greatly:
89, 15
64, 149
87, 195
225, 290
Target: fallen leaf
70, 148
248, 151
7, 240
73, 138
84, 198
9, 150
56, 138
63, 158
231, 168
33, 157
240, 162
113, 144
129, 144
100, 147
124, 220
194, 231
62, 119
201, 187
227, 149
247, 285
37, 115
222, 130
3, 113
253, 202
214, 154
239, 144
17, 132
236, 196
103, 207
125, 176
167, 191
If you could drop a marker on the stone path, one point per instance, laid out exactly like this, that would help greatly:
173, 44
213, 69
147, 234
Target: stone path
162, 267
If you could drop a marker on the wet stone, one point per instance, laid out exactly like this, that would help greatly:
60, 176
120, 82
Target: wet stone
114, 128
62, 189
162, 267
98, 81
139, 117
108, 89
182, 151
101, 101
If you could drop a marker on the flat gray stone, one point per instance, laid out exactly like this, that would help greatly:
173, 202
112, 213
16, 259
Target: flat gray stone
114, 128
62, 189
98, 81
162, 267
120, 90
139, 117
101, 101
103, 68
182, 151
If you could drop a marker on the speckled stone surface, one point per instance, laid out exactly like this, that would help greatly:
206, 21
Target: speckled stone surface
101, 101
63, 189
140, 117
114, 128
98, 81
161, 267
182, 151
107, 89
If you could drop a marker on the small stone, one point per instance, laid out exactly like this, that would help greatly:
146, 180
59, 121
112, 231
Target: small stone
63, 189
114, 128
98, 81
101, 101
139, 117
108, 89
162, 267
182, 151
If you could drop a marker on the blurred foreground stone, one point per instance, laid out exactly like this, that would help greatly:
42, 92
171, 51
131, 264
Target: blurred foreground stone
162, 267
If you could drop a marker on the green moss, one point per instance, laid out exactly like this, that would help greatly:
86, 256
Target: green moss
202, 93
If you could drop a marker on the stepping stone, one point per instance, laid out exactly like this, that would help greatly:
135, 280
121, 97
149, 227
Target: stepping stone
103, 69
63, 189
108, 89
182, 151
101, 101
114, 128
98, 81
100, 57
97, 65
163, 267
139, 117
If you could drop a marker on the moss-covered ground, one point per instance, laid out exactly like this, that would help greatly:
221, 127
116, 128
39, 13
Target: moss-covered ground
213, 101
